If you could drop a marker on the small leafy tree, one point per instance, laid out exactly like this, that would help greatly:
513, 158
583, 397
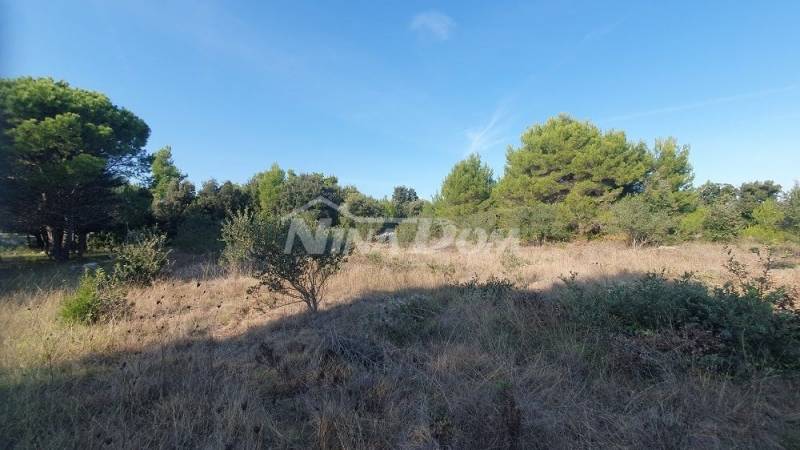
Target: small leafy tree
539, 223
641, 223
141, 258
282, 263
239, 232
768, 217
164, 172
723, 222
269, 185
466, 189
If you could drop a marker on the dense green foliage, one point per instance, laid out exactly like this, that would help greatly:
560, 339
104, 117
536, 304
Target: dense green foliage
141, 258
70, 161
466, 189
732, 328
63, 151
92, 300
639, 221
573, 163
239, 233
101, 296
281, 258
269, 185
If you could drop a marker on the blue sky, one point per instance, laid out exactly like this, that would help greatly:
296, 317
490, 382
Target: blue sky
381, 93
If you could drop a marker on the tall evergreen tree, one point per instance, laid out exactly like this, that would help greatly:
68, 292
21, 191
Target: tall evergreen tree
62, 152
566, 160
466, 189
269, 186
164, 172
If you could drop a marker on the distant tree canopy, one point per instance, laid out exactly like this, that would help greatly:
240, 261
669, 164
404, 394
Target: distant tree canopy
269, 186
63, 151
405, 202
755, 193
792, 215
71, 163
298, 190
567, 160
164, 172
466, 189
568, 176
668, 185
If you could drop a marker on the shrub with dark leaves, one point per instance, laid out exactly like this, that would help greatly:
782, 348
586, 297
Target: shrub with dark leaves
755, 323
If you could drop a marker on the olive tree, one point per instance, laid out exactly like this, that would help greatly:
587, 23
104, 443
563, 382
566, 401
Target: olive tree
285, 256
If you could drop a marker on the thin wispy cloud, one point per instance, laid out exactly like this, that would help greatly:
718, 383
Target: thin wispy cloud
488, 136
433, 24
703, 103
598, 33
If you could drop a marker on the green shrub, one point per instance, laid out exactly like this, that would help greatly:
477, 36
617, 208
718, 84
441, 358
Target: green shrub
753, 324
538, 224
102, 241
766, 235
289, 268
493, 289
406, 232
96, 298
723, 222
239, 233
641, 223
690, 225
141, 258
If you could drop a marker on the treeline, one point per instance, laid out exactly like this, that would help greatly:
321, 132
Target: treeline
569, 179
73, 169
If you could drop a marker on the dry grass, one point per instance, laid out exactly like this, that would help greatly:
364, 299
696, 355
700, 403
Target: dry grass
398, 358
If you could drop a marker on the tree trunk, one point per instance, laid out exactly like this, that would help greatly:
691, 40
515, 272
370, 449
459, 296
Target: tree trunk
69, 240
56, 237
42, 242
81, 244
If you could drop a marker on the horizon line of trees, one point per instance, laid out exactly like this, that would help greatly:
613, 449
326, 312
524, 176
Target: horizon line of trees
73, 164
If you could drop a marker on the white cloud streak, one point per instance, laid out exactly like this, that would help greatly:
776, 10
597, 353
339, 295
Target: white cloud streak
488, 136
433, 24
703, 103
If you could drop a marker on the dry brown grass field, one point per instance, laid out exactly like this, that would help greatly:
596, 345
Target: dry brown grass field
398, 357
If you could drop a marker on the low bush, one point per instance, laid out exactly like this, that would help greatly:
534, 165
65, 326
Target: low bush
141, 258
537, 224
239, 233
284, 265
722, 223
96, 298
102, 241
641, 223
492, 289
406, 232
754, 323
690, 226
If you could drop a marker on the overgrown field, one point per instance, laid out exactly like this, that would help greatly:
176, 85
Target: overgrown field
574, 346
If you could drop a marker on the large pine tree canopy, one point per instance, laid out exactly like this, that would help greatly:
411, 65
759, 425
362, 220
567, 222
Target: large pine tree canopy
62, 151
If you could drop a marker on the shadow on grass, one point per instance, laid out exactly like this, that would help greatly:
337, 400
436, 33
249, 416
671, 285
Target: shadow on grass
33, 273
467, 366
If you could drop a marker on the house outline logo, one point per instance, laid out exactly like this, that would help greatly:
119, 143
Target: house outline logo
322, 200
